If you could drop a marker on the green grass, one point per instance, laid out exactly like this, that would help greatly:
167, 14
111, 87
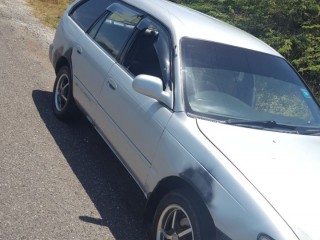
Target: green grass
49, 11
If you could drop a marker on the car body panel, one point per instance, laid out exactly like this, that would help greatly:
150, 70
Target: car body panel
241, 174
66, 34
283, 166
121, 103
91, 64
234, 203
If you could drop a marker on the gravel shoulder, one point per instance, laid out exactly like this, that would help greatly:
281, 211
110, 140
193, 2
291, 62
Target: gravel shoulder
57, 181
18, 13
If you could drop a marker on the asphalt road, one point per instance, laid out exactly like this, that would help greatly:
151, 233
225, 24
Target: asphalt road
57, 181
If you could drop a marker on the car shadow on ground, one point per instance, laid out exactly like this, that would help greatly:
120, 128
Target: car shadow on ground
113, 192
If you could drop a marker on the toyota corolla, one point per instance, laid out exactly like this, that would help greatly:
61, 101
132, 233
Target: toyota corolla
219, 131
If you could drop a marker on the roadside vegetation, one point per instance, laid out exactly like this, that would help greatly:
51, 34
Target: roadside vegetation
290, 26
49, 11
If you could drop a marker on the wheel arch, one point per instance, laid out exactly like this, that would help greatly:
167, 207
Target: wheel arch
63, 58
170, 184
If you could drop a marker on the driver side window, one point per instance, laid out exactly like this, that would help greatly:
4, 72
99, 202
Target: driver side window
142, 57
150, 53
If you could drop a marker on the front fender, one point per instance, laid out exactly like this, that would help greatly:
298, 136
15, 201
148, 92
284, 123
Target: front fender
238, 210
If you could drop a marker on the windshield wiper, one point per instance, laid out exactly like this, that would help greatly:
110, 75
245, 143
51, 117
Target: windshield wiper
261, 124
311, 131
275, 126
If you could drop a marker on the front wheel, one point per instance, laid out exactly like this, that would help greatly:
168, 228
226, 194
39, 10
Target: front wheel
63, 103
181, 218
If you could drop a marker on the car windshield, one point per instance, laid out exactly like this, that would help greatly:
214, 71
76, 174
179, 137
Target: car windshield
233, 84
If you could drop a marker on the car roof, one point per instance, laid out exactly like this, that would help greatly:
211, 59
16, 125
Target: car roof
186, 22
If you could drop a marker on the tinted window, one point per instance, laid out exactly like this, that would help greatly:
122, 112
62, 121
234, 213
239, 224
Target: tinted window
86, 13
150, 52
117, 28
95, 28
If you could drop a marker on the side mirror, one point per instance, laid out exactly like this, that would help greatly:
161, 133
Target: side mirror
152, 87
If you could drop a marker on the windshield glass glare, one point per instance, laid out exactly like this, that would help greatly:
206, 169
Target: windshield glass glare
226, 82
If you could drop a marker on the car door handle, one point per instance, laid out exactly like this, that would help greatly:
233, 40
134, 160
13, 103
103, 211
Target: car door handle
112, 84
79, 50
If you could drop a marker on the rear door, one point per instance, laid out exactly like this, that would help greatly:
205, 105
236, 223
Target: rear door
88, 71
96, 52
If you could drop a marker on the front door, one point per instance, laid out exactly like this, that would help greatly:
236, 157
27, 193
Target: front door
140, 119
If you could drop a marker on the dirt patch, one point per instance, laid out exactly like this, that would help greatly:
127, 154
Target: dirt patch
20, 13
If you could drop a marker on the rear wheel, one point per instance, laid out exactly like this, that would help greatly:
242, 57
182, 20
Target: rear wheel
181, 218
63, 103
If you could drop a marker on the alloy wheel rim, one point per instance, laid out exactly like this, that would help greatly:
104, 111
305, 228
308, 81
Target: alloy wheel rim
61, 94
174, 224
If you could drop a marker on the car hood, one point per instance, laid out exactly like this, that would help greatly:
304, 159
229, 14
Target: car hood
284, 167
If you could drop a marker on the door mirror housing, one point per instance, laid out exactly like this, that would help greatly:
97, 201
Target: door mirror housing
152, 87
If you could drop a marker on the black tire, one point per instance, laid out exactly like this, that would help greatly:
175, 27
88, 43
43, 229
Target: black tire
180, 215
63, 104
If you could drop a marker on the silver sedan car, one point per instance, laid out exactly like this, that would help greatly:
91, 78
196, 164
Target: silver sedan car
218, 130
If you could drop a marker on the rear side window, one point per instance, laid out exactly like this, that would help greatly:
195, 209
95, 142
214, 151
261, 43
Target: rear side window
88, 11
117, 28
